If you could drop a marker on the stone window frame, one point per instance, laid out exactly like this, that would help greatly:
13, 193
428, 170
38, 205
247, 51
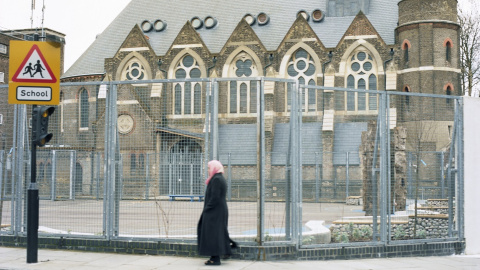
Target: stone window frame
406, 47
293, 62
179, 93
245, 100
449, 91
448, 44
406, 99
361, 70
127, 63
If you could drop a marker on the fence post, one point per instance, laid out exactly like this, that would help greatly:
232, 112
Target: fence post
317, 179
347, 180
442, 174
191, 178
214, 123
110, 207
260, 161
97, 174
2, 153
375, 183
18, 170
72, 177
207, 131
229, 189
383, 169
147, 176
296, 118
53, 187
460, 177
450, 171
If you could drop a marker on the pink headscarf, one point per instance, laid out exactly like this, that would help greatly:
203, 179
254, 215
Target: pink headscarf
214, 167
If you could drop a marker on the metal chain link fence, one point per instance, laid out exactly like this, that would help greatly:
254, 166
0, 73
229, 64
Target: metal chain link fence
327, 166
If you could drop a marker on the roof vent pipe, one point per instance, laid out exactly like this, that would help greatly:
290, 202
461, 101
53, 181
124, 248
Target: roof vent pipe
263, 18
318, 15
210, 22
146, 26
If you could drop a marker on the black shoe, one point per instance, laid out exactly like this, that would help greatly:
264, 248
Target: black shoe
210, 262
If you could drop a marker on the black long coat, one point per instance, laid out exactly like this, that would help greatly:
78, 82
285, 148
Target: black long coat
213, 238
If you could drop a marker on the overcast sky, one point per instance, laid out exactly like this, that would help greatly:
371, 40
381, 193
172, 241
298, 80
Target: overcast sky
80, 21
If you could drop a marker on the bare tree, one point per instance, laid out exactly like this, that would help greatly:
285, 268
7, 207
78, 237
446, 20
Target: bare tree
469, 20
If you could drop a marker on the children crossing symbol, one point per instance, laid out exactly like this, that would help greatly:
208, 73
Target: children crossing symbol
34, 68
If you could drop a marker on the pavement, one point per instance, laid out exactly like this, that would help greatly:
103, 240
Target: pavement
15, 258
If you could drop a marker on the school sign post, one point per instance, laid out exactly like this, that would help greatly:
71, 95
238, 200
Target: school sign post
34, 73
34, 79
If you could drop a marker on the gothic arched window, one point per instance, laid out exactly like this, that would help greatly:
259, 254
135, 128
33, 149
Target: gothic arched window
361, 74
448, 92
302, 67
448, 52
243, 94
134, 70
406, 48
187, 95
406, 100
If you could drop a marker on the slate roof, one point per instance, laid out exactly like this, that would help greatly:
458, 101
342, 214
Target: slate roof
240, 141
347, 138
383, 14
311, 143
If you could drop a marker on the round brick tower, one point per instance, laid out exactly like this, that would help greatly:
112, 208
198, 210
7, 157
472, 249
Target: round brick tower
428, 35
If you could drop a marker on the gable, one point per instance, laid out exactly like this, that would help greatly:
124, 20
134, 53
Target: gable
242, 35
383, 14
301, 30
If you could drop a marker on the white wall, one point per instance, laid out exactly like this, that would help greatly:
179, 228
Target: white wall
472, 174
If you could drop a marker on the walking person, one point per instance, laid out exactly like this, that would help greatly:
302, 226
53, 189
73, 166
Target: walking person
38, 68
212, 230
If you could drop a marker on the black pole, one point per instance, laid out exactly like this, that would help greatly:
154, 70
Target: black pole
33, 202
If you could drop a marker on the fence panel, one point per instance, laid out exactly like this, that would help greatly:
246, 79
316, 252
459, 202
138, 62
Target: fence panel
11, 183
425, 183
331, 167
341, 179
238, 138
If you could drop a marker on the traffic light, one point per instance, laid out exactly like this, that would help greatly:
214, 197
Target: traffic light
40, 125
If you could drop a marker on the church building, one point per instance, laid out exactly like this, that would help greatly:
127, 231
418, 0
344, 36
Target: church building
388, 45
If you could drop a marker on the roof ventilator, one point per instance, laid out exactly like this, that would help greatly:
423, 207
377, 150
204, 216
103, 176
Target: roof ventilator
197, 23
210, 22
263, 18
304, 14
146, 26
318, 15
250, 19
159, 25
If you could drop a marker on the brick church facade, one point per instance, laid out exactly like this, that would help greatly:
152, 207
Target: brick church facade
406, 46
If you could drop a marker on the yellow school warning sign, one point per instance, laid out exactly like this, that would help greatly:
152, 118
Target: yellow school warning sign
34, 73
